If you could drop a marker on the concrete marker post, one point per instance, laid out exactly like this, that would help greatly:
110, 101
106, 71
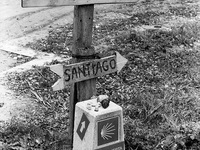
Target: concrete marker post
98, 130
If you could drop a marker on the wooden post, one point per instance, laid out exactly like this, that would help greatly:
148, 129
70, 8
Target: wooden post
82, 50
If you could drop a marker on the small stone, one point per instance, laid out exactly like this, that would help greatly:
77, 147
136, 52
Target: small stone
89, 107
93, 105
105, 103
99, 104
96, 108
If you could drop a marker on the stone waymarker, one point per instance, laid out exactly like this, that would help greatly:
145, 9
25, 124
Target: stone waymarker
104, 129
87, 70
45, 3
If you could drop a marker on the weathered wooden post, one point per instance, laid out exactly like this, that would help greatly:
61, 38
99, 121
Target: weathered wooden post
82, 50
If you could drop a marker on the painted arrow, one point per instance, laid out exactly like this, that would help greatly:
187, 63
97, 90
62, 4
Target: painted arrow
82, 126
86, 70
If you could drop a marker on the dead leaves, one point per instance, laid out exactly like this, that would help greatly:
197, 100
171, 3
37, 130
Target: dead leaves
52, 116
153, 88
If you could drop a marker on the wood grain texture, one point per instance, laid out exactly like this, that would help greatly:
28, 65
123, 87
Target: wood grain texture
89, 69
47, 3
82, 40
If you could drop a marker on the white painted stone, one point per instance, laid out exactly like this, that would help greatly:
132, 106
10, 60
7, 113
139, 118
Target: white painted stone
94, 138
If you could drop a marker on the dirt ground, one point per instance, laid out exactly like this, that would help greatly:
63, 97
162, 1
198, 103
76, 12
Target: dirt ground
22, 25
18, 27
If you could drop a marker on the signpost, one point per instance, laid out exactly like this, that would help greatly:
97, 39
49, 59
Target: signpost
82, 74
46, 3
86, 70
82, 48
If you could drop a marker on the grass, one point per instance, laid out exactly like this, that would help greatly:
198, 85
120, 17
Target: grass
158, 89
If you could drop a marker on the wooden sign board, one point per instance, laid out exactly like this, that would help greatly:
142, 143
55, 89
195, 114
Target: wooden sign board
47, 3
87, 70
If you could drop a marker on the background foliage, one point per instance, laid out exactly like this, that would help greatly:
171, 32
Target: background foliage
158, 88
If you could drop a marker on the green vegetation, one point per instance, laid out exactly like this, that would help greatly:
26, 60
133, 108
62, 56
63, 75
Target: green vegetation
158, 88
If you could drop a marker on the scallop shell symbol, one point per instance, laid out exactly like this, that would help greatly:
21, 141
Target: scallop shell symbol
107, 131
